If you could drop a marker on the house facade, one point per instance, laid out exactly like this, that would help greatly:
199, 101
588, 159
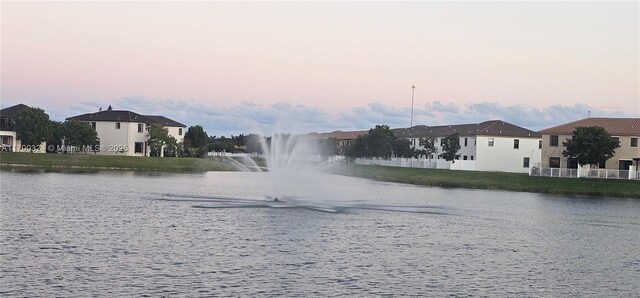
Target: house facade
626, 130
344, 138
122, 132
492, 145
8, 137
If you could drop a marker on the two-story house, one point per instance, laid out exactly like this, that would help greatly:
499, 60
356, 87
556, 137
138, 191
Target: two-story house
8, 137
493, 145
122, 132
626, 130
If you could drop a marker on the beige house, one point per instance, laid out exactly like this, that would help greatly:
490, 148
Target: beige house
626, 130
344, 138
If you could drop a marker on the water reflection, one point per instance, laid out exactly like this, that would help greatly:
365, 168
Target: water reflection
207, 234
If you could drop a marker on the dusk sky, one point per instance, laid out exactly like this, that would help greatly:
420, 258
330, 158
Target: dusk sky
237, 67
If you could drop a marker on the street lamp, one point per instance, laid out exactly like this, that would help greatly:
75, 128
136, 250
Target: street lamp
413, 89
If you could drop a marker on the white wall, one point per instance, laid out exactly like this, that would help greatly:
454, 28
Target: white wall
175, 132
469, 150
503, 157
121, 141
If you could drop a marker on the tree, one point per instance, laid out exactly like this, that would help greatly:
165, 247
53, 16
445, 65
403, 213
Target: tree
195, 141
54, 142
590, 145
378, 142
33, 127
239, 141
402, 148
450, 147
429, 145
79, 134
222, 144
159, 139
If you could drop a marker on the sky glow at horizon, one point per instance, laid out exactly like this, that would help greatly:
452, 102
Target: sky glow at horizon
336, 63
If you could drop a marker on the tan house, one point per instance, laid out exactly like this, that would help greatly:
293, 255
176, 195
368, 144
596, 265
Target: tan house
344, 138
626, 130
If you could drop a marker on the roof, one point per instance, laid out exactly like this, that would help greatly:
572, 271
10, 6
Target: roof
614, 126
342, 135
486, 128
164, 121
12, 111
126, 116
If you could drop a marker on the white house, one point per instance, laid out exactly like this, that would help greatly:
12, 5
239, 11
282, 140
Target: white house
492, 145
122, 132
8, 138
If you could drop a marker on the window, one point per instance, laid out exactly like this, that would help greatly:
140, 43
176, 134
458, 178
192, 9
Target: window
464, 157
465, 142
491, 140
138, 145
180, 131
634, 142
553, 141
140, 127
516, 144
525, 162
540, 144
554, 162
602, 164
471, 157
93, 125
117, 125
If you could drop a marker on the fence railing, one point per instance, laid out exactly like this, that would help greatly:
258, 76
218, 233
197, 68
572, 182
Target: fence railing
588, 173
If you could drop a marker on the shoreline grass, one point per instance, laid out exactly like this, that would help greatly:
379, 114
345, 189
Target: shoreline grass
495, 181
101, 162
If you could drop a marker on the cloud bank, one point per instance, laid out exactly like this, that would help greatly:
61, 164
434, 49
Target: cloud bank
248, 117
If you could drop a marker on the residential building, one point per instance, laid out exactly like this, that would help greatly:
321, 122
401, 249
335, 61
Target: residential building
8, 138
345, 138
492, 145
626, 130
122, 132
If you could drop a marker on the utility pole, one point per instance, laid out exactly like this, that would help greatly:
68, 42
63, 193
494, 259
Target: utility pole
413, 89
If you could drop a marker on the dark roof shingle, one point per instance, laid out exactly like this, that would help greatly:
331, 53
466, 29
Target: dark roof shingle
12, 111
126, 116
486, 128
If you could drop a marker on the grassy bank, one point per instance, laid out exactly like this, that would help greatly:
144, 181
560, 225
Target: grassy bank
427, 177
495, 180
90, 161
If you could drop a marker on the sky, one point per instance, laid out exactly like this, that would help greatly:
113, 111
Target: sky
241, 67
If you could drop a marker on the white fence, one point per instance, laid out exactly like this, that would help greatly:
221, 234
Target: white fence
586, 172
227, 154
467, 165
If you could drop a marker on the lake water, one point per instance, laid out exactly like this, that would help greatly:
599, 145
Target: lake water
150, 234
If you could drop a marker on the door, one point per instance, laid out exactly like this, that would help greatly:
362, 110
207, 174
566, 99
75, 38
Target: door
625, 164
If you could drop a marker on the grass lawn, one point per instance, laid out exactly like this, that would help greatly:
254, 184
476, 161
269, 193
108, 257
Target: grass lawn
172, 164
495, 180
